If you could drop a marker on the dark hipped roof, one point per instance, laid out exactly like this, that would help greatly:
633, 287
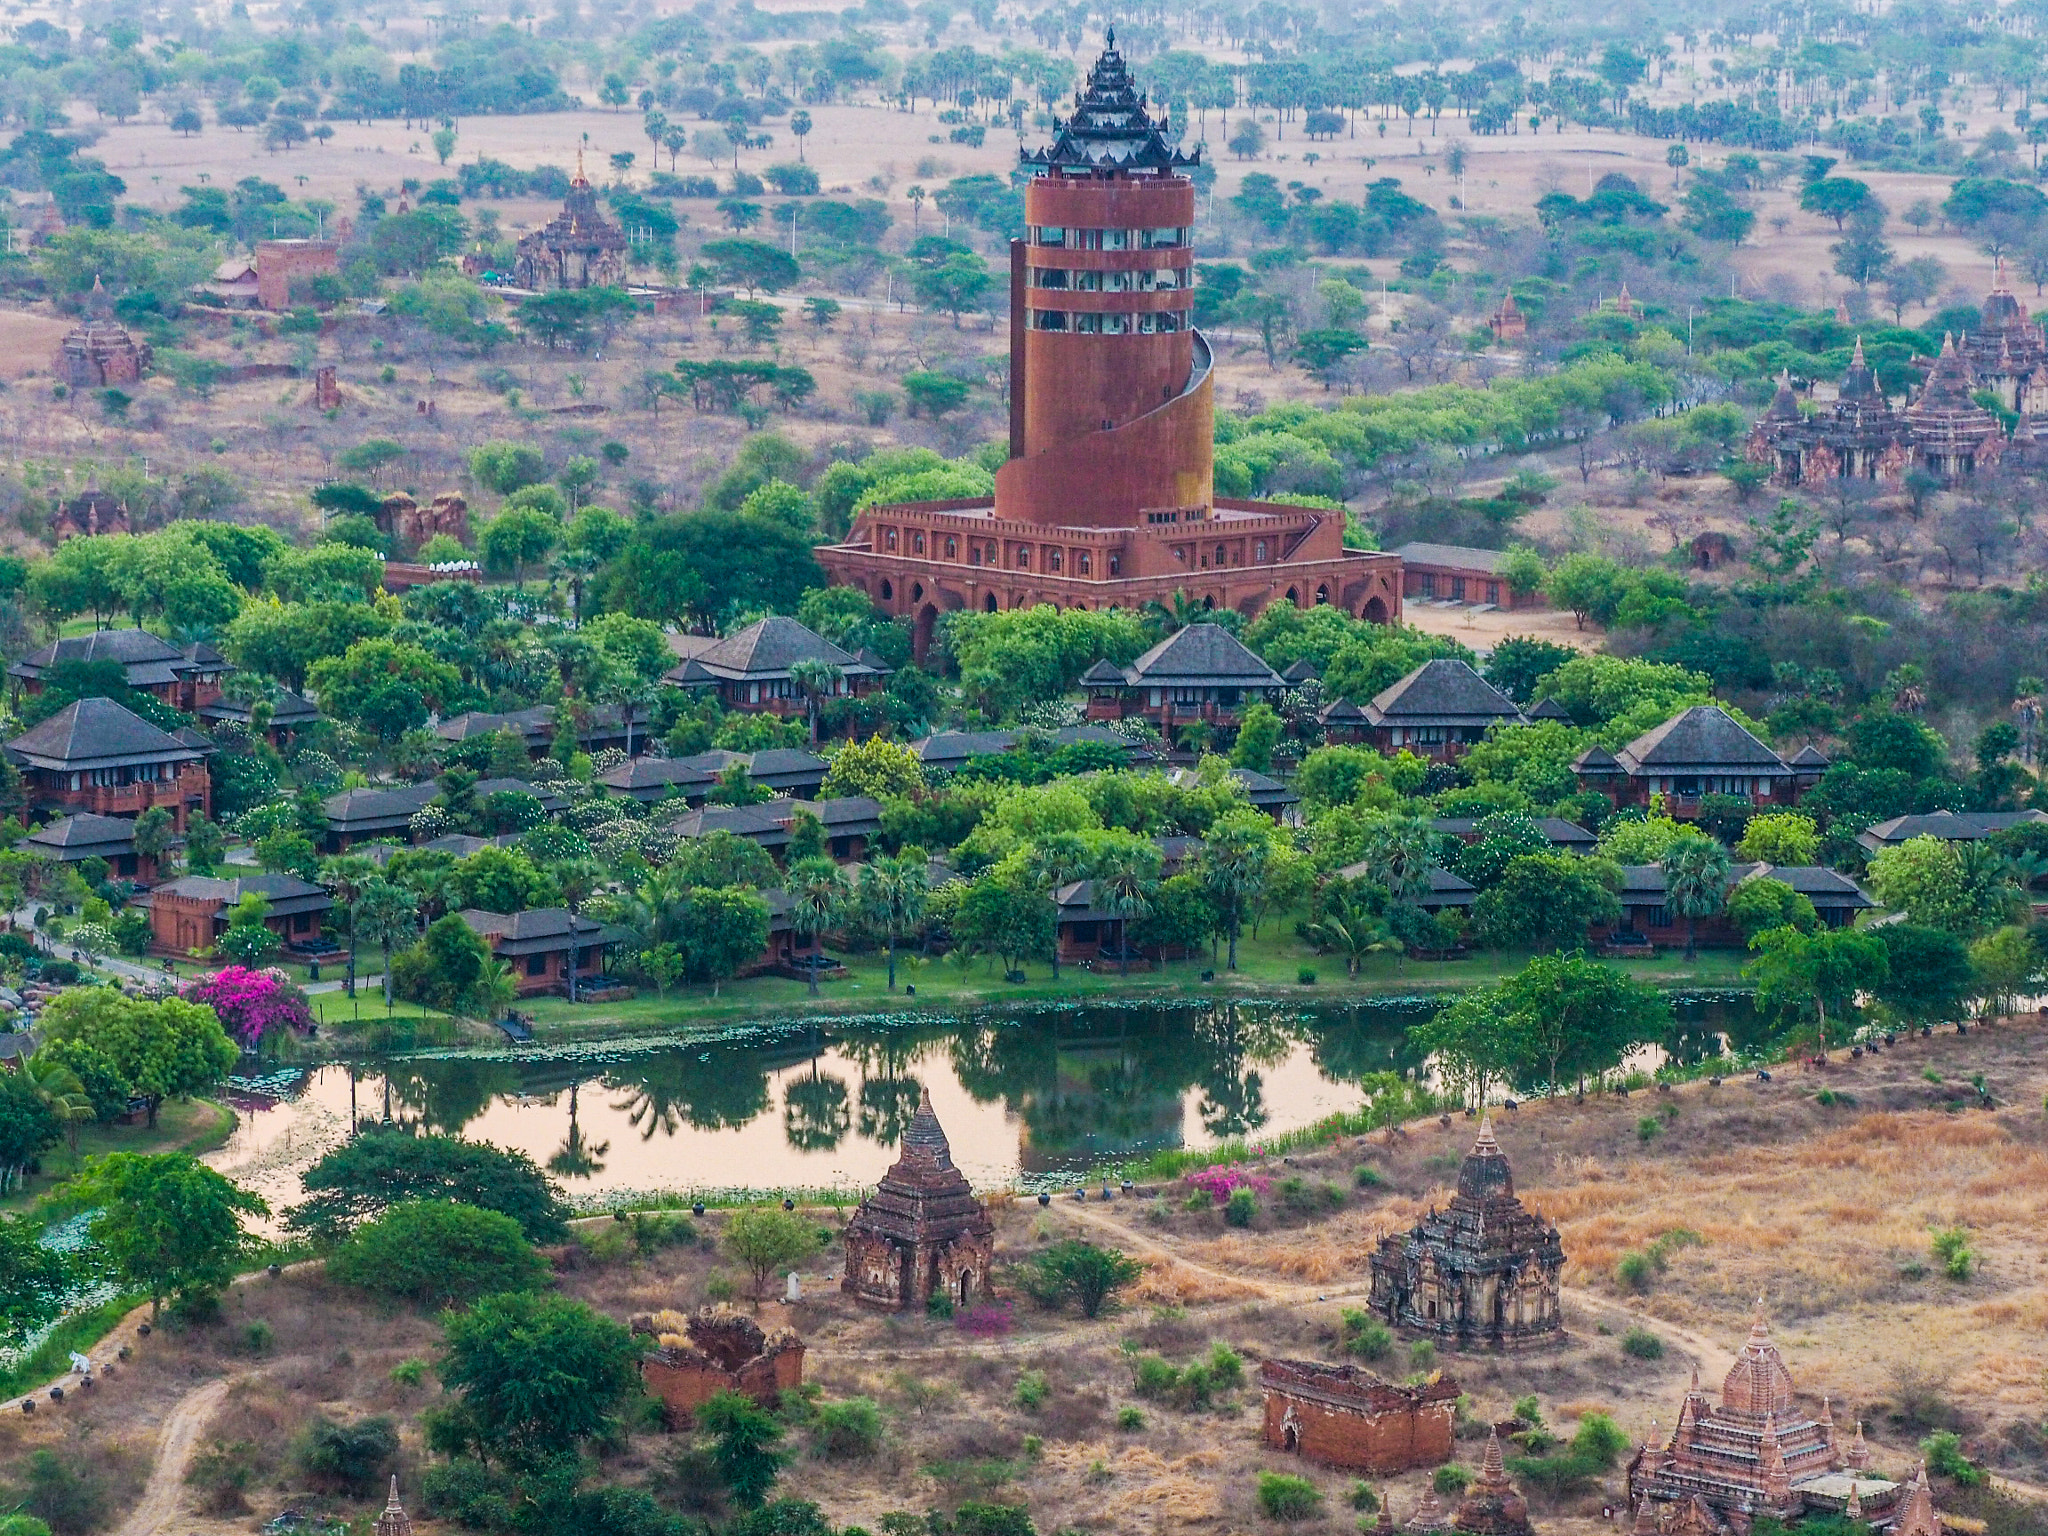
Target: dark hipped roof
654, 773
1642, 885
1548, 709
390, 805
1300, 670
1703, 737
539, 931
946, 749
1556, 830
98, 733
287, 708
1104, 674
1949, 826
1198, 654
287, 894
768, 648
148, 661
80, 836
1441, 692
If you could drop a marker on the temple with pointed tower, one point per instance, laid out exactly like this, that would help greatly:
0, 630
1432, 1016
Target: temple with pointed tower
1491, 1506
922, 1232
394, 1521
2008, 352
1483, 1273
578, 248
98, 352
1756, 1453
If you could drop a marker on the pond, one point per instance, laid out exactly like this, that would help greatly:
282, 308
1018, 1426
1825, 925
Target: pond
1029, 1098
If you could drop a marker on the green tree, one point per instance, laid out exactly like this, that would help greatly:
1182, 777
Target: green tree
1928, 976
721, 930
766, 1240
1822, 971
1583, 1016
386, 916
891, 896
536, 1377
516, 538
817, 892
383, 1167
1080, 1273
1780, 837
1591, 586
1484, 1037
934, 394
438, 1254
743, 1439
1961, 889
2005, 963
1759, 903
506, 467
1695, 881
1835, 197
1234, 865
35, 1283
1258, 733
753, 265
956, 285
168, 1224
161, 1049
1547, 901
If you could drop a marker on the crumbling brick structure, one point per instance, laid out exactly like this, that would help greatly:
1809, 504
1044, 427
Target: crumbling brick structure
717, 1350
280, 263
98, 352
1343, 1416
410, 525
922, 1231
1482, 1274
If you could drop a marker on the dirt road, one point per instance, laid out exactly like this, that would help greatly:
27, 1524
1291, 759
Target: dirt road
158, 1506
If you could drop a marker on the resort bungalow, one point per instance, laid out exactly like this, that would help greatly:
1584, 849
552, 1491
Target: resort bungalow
1702, 751
187, 915
98, 756
1201, 674
383, 814
1948, 826
186, 679
73, 839
751, 670
536, 945
1437, 711
1646, 920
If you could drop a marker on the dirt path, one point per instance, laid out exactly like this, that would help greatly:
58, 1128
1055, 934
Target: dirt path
181, 1427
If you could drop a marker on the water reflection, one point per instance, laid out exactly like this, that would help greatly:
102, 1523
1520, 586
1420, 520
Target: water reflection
1036, 1094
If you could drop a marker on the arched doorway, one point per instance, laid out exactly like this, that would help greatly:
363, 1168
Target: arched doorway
966, 1288
989, 604
888, 590
1294, 596
1374, 612
921, 632
1322, 596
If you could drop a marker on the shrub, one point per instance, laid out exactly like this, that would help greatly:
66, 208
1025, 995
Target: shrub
1557, 1476
1192, 1386
1951, 1246
993, 1520
1302, 1197
1283, 1496
1944, 1452
1241, 1207
1648, 1127
1641, 1344
439, 1254
939, 1305
1362, 1497
1451, 1482
348, 1458
1421, 1355
1032, 1390
1599, 1439
848, 1430
1528, 1410
1082, 1273
409, 1373
988, 1320
1365, 1176
222, 1473
70, 1491
258, 1337
1364, 1335
1306, 976
1635, 1270
1130, 1418
469, 1493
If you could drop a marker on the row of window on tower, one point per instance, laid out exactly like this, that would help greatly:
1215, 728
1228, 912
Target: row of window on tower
990, 553
1111, 239
1109, 325
1147, 280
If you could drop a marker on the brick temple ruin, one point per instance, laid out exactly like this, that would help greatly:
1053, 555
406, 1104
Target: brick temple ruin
1491, 1506
1756, 1453
716, 1350
1344, 1416
922, 1232
1482, 1274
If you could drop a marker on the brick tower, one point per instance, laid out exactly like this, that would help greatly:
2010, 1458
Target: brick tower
922, 1231
1111, 397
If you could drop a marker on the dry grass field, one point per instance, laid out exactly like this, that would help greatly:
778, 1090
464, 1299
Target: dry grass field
1823, 1209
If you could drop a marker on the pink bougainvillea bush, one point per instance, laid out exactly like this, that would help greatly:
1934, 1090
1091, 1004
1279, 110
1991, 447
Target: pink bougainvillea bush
1218, 1183
253, 1004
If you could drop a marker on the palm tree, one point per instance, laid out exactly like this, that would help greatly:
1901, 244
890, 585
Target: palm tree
816, 679
579, 880
576, 1157
494, 992
1057, 859
345, 878
1233, 869
387, 916
817, 891
153, 835
1126, 878
1176, 613
59, 1088
1695, 880
1350, 926
892, 895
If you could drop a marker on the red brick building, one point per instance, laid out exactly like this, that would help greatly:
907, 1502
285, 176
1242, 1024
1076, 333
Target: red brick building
188, 914
717, 1350
1454, 573
186, 678
1344, 1416
536, 945
922, 1230
95, 755
1108, 497
280, 263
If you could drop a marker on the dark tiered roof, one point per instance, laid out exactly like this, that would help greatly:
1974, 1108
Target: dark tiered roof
98, 733
1703, 738
1486, 1227
82, 836
765, 651
924, 1199
285, 894
148, 661
540, 931
1110, 130
1441, 692
1201, 654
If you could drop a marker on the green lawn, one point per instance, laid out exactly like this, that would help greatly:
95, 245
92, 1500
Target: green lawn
1269, 965
187, 1125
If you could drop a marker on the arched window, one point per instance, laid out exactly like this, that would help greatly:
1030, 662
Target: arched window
888, 591
890, 538
1087, 564
917, 544
952, 549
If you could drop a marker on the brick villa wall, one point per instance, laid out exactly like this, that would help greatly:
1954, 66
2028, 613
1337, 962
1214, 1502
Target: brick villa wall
1383, 1442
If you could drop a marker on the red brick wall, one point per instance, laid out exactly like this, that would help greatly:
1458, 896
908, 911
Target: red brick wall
684, 1388
1382, 1443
